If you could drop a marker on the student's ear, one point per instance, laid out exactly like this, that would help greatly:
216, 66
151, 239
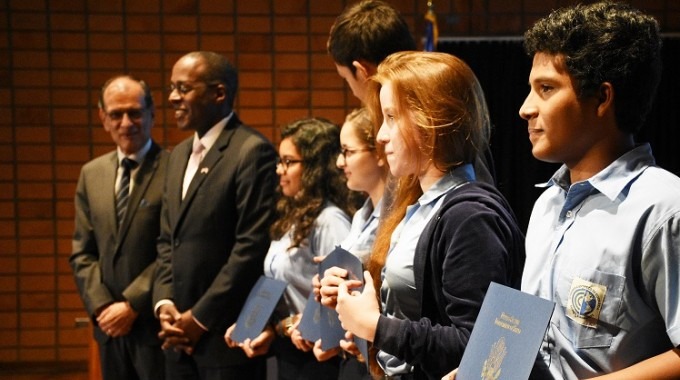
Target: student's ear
605, 97
363, 70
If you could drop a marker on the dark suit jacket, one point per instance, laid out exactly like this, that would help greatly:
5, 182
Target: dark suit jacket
213, 243
111, 265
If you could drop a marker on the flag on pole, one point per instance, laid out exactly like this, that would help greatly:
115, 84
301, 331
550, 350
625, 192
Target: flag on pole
431, 30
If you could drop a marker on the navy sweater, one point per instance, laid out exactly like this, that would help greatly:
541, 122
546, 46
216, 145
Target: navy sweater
472, 240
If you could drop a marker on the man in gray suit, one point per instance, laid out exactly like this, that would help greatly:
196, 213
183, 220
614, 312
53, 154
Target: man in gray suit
217, 209
118, 202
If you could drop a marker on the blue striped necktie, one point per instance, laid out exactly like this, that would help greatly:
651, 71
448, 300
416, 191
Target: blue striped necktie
123, 193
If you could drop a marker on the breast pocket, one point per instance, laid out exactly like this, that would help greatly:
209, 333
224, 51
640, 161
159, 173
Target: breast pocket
592, 305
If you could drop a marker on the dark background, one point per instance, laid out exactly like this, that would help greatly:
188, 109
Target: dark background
503, 67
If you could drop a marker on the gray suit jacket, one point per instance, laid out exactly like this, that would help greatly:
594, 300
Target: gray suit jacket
213, 243
111, 265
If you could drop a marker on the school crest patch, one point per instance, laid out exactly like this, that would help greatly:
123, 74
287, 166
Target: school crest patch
585, 302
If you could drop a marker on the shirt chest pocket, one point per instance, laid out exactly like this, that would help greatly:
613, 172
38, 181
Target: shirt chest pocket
591, 302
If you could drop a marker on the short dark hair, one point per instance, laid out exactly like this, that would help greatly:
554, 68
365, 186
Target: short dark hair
148, 97
605, 42
218, 69
370, 31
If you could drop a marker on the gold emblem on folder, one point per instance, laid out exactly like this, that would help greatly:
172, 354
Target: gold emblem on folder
492, 365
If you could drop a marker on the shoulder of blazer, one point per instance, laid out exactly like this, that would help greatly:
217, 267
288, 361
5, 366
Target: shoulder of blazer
233, 122
180, 153
243, 132
104, 160
157, 154
154, 151
234, 129
155, 158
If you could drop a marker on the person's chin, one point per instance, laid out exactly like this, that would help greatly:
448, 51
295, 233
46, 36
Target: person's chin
543, 155
182, 120
352, 185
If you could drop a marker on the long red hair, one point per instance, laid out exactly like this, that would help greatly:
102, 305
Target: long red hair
442, 115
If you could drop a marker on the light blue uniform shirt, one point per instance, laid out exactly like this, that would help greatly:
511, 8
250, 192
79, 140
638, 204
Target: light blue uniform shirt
398, 292
607, 251
296, 266
362, 232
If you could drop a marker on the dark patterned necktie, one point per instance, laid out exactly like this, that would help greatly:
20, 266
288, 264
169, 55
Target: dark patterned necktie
123, 193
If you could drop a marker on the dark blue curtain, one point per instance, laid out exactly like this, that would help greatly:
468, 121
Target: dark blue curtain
503, 68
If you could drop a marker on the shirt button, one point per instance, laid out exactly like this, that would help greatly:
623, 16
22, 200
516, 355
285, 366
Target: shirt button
569, 214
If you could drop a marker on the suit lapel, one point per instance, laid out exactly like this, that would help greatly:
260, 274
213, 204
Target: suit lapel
175, 175
141, 183
108, 186
210, 160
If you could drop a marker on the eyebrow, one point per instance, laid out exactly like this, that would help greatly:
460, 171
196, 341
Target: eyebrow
543, 78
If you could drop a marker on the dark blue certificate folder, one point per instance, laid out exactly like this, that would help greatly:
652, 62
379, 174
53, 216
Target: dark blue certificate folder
330, 327
309, 324
258, 308
507, 335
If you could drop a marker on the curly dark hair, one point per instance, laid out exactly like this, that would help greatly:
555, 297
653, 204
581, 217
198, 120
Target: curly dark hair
318, 142
605, 42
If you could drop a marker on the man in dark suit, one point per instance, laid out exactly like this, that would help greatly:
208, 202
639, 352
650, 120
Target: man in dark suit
116, 226
217, 208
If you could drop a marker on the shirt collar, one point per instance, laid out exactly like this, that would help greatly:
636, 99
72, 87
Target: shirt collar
138, 156
376, 210
209, 138
613, 179
456, 177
